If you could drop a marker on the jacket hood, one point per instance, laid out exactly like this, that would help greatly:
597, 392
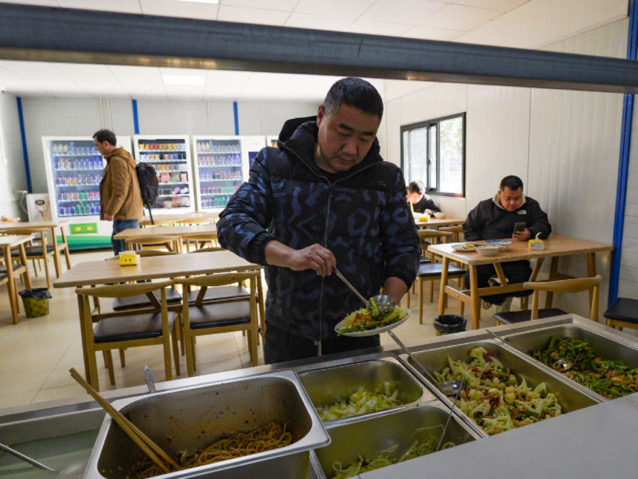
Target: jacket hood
302, 142
497, 202
122, 153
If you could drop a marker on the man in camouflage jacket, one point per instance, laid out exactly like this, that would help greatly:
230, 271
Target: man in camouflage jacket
324, 198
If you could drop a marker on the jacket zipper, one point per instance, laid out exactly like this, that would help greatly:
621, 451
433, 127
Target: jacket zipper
325, 232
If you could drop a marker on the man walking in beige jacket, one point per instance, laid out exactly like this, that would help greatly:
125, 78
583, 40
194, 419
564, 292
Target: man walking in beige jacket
120, 196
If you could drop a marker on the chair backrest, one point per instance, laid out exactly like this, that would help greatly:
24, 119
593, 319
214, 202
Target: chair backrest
218, 279
455, 230
573, 285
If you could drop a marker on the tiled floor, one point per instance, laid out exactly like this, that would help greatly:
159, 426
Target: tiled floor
37, 353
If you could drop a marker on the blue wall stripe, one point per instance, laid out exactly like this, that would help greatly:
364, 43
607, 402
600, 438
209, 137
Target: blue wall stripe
623, 165
236, 118
136, 120
25, 152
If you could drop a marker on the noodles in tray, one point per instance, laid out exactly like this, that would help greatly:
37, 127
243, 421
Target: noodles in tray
266, 438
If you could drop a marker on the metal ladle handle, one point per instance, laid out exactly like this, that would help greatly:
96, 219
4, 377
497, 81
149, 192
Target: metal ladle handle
420, 366
347, 283
26, 458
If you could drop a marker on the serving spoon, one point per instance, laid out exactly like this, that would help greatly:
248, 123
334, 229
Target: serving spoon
73, 470
377, 305
563, 364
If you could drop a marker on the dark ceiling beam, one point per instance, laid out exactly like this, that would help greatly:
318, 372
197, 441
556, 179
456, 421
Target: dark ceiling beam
83, 36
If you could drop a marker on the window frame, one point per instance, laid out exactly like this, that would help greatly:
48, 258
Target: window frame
428, 124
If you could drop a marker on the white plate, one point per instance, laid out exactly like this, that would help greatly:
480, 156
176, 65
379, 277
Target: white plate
373, 332
498, 242
462, 248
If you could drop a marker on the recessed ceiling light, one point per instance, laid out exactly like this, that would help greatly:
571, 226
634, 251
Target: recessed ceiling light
200, 1
192, 80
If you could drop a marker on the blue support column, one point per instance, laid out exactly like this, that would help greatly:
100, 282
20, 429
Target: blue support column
236, 118
136, 120
25, 152
623, 166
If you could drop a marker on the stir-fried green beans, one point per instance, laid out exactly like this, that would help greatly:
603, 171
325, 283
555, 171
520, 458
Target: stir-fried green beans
611, 378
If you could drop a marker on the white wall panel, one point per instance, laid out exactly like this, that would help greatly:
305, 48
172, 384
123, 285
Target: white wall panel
267, 117
12, 172
497, 139
172, 117
56, 117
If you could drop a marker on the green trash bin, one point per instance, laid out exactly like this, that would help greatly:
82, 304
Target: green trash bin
36, 302
449, 323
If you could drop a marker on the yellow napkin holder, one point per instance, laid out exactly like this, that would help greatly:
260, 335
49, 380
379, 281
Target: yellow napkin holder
424, 218
536, 244
128, 258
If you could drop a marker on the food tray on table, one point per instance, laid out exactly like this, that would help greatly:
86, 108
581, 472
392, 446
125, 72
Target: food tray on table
344, 393
565, 396
613, 379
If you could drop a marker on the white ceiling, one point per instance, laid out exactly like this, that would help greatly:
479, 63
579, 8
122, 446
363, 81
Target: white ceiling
511, 23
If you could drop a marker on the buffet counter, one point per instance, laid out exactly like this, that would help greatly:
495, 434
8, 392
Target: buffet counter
592, 438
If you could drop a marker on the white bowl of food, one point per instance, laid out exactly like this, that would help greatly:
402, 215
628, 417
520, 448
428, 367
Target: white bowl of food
440, 215
487, 250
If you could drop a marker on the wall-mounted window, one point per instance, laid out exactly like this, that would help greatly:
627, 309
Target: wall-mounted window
433, 151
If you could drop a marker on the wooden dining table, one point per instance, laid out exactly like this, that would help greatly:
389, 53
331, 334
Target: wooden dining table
437, 223
44, 227
175, 218
177, 232
555, 247
12, 270
150, 267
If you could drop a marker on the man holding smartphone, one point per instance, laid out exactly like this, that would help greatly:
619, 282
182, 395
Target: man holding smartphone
509, 214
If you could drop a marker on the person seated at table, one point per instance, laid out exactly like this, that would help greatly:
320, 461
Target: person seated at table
421, 203
509, 214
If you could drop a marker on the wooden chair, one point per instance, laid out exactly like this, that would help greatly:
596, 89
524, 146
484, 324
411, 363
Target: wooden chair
234, 292
623, 313
456, 231
169, 243
125, 329
573, 285
215, 317
37, 251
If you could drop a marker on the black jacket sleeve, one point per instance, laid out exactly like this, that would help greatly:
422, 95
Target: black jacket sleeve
538, 221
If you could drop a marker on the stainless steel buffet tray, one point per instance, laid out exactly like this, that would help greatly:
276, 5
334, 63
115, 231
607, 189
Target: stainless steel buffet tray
571, 398
602, 341
193, 418
330, 384
401, 428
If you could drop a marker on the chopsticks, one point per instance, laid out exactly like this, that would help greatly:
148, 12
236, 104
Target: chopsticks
147, 445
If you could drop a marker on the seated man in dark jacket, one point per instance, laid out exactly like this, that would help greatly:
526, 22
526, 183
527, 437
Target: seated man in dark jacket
504, 216
421, 203
325, 197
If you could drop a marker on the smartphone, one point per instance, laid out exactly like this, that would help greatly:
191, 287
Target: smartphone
519, 227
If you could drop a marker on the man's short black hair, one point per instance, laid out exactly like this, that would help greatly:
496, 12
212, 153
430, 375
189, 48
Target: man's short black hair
105, 135
512, 182
356, 93
416, 187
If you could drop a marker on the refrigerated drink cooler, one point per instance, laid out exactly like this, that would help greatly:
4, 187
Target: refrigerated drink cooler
74, 170
170, 156
221, 166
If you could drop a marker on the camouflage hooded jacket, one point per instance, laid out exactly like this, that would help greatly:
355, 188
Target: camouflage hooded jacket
362, 217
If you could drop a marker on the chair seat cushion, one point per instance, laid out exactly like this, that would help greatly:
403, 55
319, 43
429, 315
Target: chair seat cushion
513, 317
623, 309
219, 314
3, 269
3, 276
32, 251
424, 260
128, 328
434, 269
215, 293
142, 301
